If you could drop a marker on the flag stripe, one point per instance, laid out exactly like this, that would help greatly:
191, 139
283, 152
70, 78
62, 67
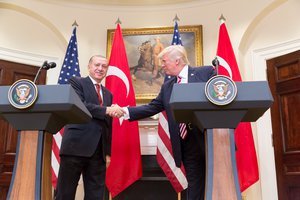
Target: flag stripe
166, 160
178, 182
164, 135
168, 155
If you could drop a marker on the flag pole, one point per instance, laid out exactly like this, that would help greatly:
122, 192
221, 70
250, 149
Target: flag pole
179, 195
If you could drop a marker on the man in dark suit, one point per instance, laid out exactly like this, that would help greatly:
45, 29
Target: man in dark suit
85, 148
191, 149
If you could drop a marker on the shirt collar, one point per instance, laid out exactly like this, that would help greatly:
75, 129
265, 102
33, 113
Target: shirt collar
184, 74
94, 82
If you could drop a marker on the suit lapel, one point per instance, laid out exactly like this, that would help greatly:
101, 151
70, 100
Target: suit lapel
90, 87
191, 75
105, 96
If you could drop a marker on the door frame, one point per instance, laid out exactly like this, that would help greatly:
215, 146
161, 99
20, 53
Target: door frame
265, 149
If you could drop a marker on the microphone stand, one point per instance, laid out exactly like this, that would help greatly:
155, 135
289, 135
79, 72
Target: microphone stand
216, 63
45, 65
37, 75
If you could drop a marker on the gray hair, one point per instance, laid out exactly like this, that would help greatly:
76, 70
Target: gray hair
175, 52
91, 59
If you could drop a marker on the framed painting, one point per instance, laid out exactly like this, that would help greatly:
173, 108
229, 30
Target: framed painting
142, 47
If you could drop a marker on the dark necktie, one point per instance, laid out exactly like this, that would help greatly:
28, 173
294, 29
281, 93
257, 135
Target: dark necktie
182, 126
99, 95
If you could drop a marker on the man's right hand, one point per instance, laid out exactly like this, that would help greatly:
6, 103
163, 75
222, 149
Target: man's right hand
115, 111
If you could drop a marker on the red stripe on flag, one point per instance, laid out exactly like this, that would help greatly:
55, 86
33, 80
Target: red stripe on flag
165, 138
55, 149
165, 158
169, 173
55, 158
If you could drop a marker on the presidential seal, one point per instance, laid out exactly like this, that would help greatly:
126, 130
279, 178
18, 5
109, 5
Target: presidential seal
22, 94
220, 90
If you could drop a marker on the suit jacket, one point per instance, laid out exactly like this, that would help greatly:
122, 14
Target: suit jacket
161, 103
83, 139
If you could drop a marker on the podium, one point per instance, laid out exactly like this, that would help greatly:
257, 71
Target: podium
190, 105
56, 106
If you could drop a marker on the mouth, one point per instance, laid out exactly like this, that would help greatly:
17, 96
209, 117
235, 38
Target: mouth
98, 73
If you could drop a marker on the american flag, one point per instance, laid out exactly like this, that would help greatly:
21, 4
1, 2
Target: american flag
69, 68
164, 154
176, 36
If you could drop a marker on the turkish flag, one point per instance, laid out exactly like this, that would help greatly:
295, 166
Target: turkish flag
245, 155
126, 166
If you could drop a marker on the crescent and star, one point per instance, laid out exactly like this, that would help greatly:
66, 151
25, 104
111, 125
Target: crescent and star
115, 71
224, 64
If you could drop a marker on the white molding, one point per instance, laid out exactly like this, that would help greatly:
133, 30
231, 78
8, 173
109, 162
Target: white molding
264, 127
127, 7
25, 57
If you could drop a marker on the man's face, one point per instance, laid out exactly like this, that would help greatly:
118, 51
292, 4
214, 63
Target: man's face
98, 68
169, 65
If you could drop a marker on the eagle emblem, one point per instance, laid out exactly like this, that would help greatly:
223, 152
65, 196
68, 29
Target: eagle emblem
221, 90
22, 94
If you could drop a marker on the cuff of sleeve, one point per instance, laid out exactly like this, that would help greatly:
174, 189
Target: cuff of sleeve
126, 115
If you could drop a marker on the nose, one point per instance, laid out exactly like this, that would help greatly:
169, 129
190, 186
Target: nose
100, 67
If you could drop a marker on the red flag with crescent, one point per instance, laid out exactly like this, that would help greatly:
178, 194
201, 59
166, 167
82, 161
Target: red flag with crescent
125, 166
245, 154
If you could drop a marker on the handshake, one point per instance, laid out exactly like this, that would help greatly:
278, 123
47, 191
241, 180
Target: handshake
115, 111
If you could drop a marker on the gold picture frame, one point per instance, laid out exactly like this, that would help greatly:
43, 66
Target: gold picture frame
146, 74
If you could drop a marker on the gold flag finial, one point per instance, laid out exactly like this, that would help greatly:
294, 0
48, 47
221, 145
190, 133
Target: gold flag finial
222, 18
176, 18
75, 24
118, 21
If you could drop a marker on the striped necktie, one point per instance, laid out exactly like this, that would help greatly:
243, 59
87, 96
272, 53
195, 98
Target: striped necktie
182, 126
99, 95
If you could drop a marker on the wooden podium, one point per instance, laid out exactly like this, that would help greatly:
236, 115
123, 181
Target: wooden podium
56, 106
189, 104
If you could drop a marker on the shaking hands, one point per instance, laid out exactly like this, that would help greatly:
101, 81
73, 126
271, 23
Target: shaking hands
115, 111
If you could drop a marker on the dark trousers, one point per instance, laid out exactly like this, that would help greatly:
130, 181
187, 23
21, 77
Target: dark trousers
193, 156
93, 172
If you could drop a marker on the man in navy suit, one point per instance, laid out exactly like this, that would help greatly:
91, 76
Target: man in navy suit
86, 148
191, 149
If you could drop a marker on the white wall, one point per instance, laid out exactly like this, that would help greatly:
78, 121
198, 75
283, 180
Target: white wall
34, 30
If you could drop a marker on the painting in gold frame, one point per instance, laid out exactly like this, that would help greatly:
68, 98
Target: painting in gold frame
142, 46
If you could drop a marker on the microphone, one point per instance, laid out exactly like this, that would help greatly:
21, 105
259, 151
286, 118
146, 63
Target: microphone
45, 66
49, 65
215, 62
